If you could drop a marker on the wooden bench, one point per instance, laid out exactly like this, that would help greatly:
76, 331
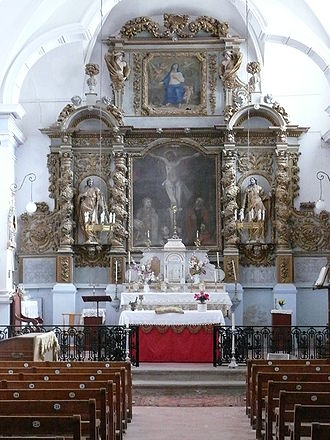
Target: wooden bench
82, 378
272, 398
272, 362
40, 426
306, 414
287, 401
262, 387
86, 409
320, 431
68, 391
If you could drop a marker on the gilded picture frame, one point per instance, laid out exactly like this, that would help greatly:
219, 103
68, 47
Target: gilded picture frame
174, 83
179, 176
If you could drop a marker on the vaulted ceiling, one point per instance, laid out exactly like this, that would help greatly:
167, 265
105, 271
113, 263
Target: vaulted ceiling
32, 28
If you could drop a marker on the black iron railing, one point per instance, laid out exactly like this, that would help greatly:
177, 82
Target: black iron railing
104, 343
109, 343
258, 342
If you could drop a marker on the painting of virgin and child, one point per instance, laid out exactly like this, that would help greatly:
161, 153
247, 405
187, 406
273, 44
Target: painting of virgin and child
173, 84
174, 177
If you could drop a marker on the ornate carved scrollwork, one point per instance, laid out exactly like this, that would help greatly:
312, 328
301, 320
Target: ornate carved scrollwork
229, 197
119, 200
137, 70
66, 193
257, 254
212, 82
65, 113
92, 256
283, 202
53, 166
64, 269
177, 25
263, 161
310, 232
38, 231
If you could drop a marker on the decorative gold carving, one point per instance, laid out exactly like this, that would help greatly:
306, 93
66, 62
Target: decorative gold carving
191, 110
92, 256
229, 67
116, 113
65, 217
88, 164
285, 269
294, 174
281, 110
53, 166
229, 197
38, 231
261, 161
64, 271
256, 139
175, 26
310, 232
137, 69
283, 202
65, 113
229, 269
257, 254
212, 82
119, 201
254, 69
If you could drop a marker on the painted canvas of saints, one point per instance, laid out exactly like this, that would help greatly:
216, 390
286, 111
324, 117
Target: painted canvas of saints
173, 84
179, 177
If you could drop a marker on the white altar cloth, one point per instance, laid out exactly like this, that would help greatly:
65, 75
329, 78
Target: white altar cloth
189, 317
92, 313
218, 300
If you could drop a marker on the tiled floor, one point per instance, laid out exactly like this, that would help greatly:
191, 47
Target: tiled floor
209, 423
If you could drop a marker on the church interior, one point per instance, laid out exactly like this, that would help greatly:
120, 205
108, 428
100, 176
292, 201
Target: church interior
166, 194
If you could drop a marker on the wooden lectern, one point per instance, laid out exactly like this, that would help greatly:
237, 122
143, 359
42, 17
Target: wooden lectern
281, 325
95, 320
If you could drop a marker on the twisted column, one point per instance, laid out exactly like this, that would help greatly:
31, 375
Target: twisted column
119, 202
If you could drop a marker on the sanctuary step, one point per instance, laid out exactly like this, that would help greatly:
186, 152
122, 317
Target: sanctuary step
184, 382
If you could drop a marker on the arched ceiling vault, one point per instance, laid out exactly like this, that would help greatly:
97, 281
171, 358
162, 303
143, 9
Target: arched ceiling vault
35, 27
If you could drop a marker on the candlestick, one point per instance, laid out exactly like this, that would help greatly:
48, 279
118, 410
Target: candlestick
234, 270
116, 275
218, 262
232, 320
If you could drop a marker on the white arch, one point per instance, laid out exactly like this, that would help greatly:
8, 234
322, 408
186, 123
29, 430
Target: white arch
262, 110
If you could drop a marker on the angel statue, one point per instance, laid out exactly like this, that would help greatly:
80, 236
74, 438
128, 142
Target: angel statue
118, 68
229, 66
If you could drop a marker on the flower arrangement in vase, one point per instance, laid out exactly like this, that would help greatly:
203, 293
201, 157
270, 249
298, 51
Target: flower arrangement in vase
144, 273
201, 298
281, 303
196, 269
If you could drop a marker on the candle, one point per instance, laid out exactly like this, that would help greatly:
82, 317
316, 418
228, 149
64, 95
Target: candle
148, 233
232, 320
215, 276
116, 271
129, 258
263, 214
197, 234
110, 217
218, 262
129, 275
114, 218
235, 214
234, 269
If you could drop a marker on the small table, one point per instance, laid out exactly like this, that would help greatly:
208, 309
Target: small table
281, 333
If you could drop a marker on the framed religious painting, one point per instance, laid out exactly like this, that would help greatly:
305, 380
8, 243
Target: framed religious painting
174, 83
174, 187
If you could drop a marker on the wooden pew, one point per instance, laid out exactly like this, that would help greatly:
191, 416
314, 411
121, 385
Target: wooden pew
40, 426
272, 362
320, 431
287, 401
79, 377
67, 391
272, 398
262, 386
307, 414
85, 408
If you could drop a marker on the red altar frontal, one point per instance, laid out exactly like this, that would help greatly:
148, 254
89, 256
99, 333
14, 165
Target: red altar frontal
174, 337
176, 343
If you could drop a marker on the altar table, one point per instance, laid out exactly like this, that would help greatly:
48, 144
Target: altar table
174, 337
218, 300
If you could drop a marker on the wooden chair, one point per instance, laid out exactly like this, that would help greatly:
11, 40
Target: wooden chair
71, 319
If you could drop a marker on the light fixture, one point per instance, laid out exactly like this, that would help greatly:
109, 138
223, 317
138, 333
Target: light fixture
320, 204
31, 207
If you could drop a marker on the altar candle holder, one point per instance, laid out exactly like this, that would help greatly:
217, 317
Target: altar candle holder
148, 243
197, 243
